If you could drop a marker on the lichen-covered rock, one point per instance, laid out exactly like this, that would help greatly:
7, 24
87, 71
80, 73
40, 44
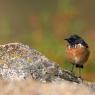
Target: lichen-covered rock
19, 61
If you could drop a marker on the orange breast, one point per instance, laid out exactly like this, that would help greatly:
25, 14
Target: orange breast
78, 55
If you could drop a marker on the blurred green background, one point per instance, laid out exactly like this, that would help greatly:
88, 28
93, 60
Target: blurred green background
43, 24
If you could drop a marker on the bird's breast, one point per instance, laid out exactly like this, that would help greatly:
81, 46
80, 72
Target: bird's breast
77, 55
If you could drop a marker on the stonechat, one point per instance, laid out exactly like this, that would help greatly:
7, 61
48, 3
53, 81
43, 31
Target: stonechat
77, 51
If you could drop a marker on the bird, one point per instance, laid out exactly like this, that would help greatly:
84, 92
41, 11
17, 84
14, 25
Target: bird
77, 52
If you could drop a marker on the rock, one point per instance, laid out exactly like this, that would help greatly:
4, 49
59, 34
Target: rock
18, 61
31, 87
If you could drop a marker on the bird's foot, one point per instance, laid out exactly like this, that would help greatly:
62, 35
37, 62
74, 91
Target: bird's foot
81, 78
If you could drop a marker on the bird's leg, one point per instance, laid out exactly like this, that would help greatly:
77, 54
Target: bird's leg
80, 70
72, 69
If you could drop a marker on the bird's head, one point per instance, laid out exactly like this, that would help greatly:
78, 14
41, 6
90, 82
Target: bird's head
75, 39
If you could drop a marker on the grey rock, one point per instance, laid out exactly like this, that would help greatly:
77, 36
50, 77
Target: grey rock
19, 61
16, 61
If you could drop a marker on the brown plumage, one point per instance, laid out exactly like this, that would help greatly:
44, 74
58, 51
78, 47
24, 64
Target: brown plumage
77, 55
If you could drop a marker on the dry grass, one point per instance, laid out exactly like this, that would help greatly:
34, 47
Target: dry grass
30, 87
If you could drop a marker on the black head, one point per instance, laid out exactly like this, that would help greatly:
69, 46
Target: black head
75, 39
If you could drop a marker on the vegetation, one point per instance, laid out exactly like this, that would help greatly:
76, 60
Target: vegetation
43, 24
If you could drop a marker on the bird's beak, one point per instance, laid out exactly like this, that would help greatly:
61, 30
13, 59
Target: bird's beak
66, 39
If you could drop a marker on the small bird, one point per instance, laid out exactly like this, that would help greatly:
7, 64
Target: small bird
77, 52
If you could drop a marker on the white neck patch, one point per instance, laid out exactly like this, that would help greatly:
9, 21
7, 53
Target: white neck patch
77, 45
80, 45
